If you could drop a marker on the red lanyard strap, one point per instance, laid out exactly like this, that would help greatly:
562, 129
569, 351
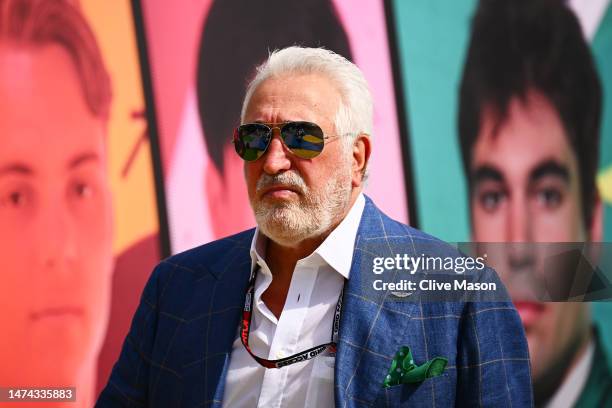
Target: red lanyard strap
245, 328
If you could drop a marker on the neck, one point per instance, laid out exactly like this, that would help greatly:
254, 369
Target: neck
545, 388
84, 387
86, 390
282, 260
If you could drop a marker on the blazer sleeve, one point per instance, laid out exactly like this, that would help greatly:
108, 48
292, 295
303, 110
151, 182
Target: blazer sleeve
493, 368
128, 382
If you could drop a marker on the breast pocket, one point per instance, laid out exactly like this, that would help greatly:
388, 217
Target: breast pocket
433, 392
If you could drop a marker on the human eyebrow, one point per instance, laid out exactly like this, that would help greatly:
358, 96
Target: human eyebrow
486, 173
16, 168
82, 158
549, 168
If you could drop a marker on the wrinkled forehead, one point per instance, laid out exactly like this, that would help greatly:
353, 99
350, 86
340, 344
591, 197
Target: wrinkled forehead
294, 97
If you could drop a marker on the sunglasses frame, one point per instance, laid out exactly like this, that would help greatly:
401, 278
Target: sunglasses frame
280, 126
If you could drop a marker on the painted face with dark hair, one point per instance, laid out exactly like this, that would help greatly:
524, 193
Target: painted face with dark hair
526, 188
55, 220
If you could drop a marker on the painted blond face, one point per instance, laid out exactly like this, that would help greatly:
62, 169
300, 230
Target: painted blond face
55, 219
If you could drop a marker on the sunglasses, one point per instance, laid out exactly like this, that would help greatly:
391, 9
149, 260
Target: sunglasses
304, 139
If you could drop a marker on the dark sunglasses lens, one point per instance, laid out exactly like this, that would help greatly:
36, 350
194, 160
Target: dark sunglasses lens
251, 141
305, 139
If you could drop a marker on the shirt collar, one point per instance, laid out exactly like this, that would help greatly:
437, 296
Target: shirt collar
572, 386
336, 250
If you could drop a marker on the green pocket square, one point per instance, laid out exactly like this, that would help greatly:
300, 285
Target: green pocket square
404, 371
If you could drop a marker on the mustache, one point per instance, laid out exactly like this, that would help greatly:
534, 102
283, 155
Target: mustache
288, 179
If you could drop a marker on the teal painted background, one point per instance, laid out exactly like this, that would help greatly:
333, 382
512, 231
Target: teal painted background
432, 37
602, 49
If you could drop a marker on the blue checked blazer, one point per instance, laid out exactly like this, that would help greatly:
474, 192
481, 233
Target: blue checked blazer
177, 351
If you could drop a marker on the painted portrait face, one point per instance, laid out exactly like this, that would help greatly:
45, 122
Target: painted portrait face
226, 192
293, 198
526, 188
55, 219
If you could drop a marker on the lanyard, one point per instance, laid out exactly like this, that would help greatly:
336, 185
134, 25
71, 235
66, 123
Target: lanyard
245, 328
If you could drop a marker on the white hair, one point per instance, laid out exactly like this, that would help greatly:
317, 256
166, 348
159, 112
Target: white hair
354, 115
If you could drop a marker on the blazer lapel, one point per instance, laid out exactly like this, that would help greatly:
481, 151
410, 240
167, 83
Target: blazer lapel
366, 341
216, 310
231, 287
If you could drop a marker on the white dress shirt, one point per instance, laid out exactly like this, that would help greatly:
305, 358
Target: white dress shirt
568, 393
306, 321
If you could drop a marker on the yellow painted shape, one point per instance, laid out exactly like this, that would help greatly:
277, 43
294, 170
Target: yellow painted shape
134, 193
604, 184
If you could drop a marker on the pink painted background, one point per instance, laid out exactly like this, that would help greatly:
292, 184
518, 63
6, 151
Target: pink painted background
173, 35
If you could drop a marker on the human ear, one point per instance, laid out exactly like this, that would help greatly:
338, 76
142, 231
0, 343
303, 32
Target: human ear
362, 148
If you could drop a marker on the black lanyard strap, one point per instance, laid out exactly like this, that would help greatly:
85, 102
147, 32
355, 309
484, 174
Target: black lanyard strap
245, 328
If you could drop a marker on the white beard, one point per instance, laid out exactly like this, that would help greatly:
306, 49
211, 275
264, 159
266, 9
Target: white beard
290, 222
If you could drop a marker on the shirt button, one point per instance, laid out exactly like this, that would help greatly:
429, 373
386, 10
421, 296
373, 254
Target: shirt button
280, 355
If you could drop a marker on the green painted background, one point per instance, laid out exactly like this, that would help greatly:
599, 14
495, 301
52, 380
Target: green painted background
432, 37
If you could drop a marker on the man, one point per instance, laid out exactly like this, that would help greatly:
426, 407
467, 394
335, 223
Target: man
56, 216
305, 139
529, 119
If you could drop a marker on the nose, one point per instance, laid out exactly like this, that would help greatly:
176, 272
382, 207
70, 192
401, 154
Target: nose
518, 221
57, 238
519, 246
276, 158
